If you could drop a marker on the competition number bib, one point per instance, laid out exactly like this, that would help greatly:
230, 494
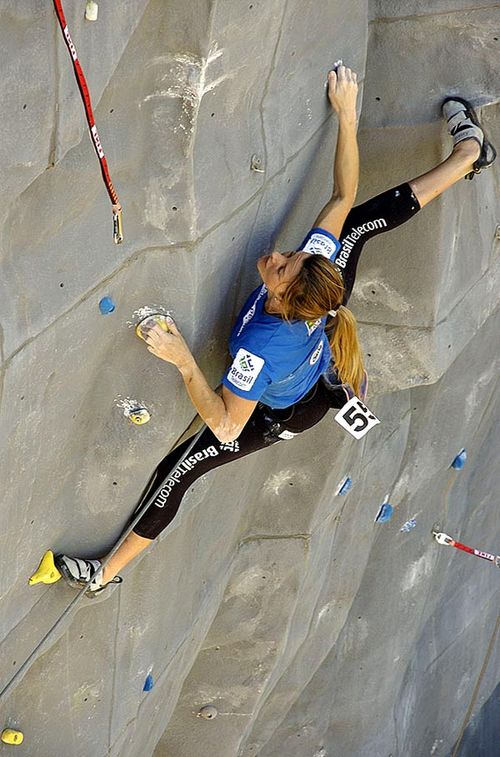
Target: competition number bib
356, 418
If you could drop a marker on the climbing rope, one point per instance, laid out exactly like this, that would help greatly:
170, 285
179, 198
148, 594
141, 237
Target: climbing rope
475, 693
75, 601
87, 104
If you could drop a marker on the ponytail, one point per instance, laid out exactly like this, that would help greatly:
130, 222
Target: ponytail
346, 349
317, 289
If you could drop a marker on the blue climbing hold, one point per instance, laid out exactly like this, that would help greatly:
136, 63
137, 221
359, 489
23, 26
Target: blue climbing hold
148, 683
460, 460
385, 513
106, 305
346, 486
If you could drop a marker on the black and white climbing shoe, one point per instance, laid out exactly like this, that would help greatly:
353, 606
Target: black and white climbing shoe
77, 571
463, 123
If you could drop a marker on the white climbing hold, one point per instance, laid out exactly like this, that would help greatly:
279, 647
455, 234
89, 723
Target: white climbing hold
91, 10
408, 526
256, 164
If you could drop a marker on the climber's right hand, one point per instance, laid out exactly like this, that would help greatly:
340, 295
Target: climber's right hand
343, 90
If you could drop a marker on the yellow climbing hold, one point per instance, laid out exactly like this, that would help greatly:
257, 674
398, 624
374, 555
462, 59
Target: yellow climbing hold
9, 736
139, 416
151, 320
46, 573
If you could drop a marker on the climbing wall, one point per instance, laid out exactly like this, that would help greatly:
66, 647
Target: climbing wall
275, 617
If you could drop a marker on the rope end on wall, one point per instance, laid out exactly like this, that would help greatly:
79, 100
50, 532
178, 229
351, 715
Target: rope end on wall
117, 224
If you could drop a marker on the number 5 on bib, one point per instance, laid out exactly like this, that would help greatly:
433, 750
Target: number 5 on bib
356, 418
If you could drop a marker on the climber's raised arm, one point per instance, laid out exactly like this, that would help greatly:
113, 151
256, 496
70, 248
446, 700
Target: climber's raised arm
342, 93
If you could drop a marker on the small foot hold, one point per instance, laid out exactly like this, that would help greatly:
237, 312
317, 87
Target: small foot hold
344, 487
91, 10
156, 319
209, 712
436, 528
148, 683
106, 305
385, 513
10, 736
460, 460
139, 416
47, 572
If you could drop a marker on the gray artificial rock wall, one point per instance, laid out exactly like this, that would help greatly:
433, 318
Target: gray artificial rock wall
312, 630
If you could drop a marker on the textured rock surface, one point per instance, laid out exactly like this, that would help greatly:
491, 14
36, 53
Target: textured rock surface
311, 629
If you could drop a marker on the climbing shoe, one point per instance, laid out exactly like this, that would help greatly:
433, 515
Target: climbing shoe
77, 571
463, 123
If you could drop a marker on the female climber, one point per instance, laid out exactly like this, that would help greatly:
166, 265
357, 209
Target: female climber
294, 345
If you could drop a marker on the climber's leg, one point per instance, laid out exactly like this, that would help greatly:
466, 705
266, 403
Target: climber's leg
433, 183
177, 472
131, 548
77, 570
471, 152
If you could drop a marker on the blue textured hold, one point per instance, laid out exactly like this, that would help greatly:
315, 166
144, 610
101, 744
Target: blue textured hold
346, 486
459, 462
106, 305
148, 683
385, 513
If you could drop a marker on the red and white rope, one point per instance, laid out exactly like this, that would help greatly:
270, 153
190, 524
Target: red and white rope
87, 104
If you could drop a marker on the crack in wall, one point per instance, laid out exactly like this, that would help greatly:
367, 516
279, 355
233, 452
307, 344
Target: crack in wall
423, 16
274, 537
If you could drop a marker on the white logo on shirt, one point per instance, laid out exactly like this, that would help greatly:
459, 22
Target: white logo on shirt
320, 244
317, 352
311, 326
251, 312
245, 369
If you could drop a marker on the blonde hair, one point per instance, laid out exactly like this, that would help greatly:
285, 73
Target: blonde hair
317, 289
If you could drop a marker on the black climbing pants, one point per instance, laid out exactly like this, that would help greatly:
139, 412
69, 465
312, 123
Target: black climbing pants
267, 426
375, 216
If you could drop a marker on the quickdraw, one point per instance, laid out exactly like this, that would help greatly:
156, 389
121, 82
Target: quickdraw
84, 91
448, 541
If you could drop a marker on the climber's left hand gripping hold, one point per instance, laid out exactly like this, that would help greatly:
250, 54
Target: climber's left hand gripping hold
169, 346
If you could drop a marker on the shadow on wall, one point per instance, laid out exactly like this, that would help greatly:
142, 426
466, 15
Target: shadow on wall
483, 731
